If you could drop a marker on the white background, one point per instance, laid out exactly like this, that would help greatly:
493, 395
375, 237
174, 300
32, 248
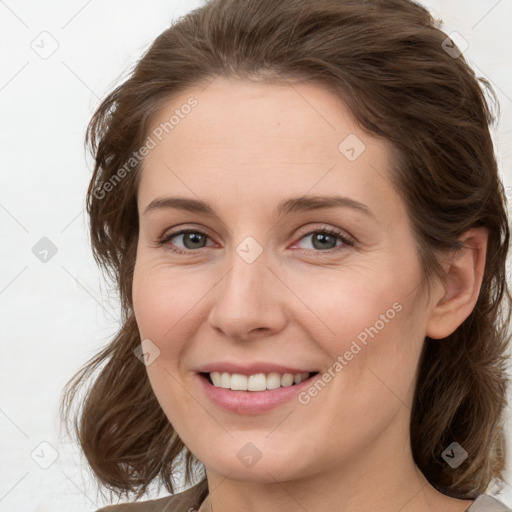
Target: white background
55, 315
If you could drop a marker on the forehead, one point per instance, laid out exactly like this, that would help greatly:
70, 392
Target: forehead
266, 141
306, 118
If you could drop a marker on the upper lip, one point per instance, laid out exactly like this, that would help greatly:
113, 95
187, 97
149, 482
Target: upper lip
250, 369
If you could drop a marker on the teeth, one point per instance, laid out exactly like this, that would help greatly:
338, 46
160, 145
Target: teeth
256, 382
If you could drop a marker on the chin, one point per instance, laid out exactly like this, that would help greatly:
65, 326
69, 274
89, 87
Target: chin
259, 461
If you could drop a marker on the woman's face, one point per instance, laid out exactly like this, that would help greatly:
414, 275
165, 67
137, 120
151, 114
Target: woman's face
259, 287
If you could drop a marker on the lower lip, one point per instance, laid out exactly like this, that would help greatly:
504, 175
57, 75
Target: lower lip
251, 402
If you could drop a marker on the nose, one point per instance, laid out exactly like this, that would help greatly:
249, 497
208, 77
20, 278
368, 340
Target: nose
249, 301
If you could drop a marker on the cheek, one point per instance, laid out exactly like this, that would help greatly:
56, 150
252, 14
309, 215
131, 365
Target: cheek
375, 335
166, 303
349, 306
163, 303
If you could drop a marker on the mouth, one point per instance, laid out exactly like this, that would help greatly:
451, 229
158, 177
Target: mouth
255, 392
257, 382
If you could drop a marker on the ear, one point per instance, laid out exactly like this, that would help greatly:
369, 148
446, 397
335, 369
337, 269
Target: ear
460, 290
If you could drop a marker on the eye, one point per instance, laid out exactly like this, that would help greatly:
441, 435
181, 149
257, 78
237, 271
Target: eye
191, 238
325, 239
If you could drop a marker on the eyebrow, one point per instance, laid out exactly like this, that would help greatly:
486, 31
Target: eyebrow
291, 205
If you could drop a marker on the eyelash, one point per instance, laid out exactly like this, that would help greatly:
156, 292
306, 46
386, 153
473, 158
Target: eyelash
165, 239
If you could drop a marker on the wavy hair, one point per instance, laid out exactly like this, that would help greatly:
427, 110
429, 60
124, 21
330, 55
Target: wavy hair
404, 81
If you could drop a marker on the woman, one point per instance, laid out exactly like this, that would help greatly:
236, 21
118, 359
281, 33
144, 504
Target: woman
300, 204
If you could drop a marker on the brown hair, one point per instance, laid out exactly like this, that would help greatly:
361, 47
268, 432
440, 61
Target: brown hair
387, 60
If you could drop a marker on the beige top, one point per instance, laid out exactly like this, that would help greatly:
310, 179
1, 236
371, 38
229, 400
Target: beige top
186, 501
191, 499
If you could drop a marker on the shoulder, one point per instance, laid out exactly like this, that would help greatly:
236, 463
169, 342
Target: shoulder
181, 502
486, 503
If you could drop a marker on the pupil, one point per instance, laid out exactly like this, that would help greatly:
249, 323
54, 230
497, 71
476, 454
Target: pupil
193, 238
323, 237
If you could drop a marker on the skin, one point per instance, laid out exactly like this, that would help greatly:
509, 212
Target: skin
243, 149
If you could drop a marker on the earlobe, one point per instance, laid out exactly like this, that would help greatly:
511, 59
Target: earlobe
465, 269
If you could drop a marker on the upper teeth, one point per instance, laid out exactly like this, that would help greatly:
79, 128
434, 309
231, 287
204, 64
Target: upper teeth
257, 382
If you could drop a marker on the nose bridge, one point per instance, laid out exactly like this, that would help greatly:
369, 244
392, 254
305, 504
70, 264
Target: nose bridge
244, 283
245, 298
